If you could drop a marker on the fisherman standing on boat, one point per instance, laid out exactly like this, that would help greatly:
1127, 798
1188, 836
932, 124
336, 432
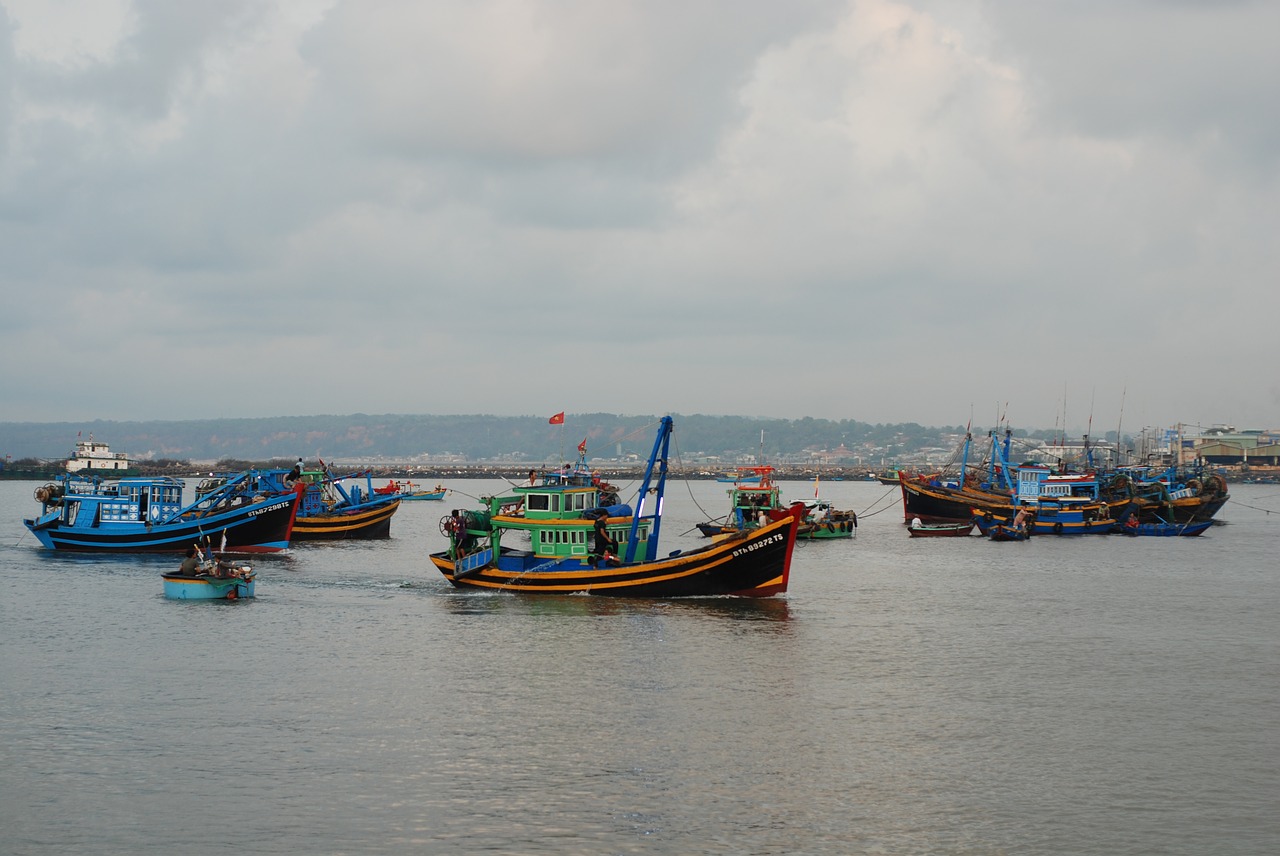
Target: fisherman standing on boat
458, 526
606, 544
294, 474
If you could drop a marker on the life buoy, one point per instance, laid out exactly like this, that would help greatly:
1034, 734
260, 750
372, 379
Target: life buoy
1057, 528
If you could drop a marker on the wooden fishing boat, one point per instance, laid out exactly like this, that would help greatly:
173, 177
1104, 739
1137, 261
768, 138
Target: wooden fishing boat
822, 522
1161, 529
562, 511
751, 498
148, 515
327, 509
742, 476
1001, 532
415, 495
410, 491
1174, 495
940, 530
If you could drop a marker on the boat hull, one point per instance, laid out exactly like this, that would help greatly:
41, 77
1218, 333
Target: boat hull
357, 524
937, 504
826, 531
260, 527
423, 496
178, 587
1065, 523
1190, 529
942, 530
1000, 532
756, 563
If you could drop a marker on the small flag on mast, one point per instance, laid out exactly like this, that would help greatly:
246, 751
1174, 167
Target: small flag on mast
558, 419
582, 447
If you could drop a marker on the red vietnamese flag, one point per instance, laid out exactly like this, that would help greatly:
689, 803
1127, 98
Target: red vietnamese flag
558, 419
582, 447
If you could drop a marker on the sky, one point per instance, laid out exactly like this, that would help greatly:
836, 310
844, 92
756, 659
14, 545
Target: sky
1057, 213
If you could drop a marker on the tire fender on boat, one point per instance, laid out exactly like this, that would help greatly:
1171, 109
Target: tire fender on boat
1057, 528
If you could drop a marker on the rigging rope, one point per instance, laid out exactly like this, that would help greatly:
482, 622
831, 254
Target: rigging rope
870, 513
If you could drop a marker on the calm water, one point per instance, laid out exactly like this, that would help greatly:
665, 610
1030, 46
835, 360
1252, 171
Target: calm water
1069, 695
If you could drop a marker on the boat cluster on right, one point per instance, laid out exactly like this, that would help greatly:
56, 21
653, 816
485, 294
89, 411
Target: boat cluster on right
1012, 502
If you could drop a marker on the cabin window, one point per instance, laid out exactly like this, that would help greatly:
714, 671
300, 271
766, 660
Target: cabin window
579, 501
555, 502
538, 502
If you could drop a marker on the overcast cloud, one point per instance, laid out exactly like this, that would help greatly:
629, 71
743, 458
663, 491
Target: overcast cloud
882, 211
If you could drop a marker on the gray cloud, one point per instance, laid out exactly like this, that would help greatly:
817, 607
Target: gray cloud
874, 210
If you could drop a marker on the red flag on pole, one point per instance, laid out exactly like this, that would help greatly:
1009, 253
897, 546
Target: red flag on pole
582, 447
558, 419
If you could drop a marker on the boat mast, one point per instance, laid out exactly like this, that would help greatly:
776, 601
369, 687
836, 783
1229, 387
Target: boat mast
659, 456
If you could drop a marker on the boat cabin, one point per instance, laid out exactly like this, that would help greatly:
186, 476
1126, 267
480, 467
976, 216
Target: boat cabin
558, 512
89, 502
1037, 483
93, 456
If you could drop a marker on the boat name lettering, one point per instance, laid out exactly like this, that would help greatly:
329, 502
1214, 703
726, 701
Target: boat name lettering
268, 508
772, 539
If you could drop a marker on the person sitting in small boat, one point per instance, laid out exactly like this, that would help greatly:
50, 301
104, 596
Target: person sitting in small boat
916, 523
190, 566
1020, 520
1132, 522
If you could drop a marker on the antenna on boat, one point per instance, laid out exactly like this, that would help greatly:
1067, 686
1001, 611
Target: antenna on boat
1123, 390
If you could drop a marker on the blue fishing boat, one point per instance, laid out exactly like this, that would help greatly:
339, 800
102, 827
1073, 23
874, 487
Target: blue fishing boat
328, 510
177, 587
1163, 529
409, 491
1001, 532
561, 512
212, 579
148, 515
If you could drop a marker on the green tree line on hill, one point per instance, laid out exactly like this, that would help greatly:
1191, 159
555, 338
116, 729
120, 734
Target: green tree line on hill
470, 437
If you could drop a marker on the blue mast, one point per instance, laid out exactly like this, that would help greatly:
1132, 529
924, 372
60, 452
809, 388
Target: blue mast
661, 443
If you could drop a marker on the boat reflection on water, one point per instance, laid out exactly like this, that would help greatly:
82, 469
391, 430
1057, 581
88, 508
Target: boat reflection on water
586, 606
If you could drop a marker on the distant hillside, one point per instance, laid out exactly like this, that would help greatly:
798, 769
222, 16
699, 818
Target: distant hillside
465, 437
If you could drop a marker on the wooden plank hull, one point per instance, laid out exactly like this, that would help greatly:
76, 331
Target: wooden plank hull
941, 530
360, 524
259, 527
1166, 529
754, 564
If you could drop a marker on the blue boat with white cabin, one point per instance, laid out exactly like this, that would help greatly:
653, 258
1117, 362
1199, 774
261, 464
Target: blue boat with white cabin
87, 513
